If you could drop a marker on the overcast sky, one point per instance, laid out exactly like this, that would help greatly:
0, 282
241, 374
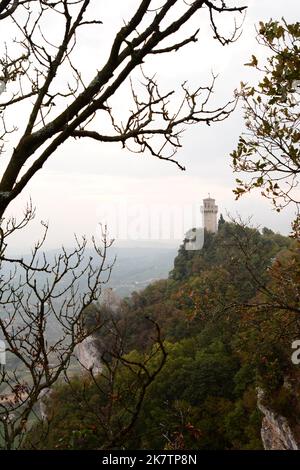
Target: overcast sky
85, 183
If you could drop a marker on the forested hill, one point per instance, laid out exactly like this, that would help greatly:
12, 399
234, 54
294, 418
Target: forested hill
232, 266
227, 314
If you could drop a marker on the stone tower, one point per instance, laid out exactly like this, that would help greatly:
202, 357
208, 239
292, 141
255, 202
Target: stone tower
210, 211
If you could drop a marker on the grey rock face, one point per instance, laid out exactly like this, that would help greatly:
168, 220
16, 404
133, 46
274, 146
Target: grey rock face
88, 355
43, 397
276, 433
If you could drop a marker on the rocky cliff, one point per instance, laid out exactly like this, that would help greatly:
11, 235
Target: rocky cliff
87, 354
276, 433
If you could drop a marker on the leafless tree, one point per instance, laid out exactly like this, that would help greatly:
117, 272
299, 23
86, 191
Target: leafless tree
120, 388
65, 106
8, 7
36, 295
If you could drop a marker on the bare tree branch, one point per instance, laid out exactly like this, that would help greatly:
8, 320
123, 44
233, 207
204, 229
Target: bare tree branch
43, 61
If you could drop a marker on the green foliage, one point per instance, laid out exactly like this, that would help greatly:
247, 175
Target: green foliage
269, 149
218, 349
221, 221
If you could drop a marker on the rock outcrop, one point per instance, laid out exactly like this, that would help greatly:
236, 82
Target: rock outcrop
276, 433
88, 355
44, 397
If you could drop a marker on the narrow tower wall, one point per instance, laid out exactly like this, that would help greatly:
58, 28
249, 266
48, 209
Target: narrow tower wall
209, 213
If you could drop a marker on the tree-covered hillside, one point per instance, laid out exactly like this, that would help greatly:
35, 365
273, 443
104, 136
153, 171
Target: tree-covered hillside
227, 314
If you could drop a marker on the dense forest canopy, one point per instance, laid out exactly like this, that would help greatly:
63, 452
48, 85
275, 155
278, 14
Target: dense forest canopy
219, 338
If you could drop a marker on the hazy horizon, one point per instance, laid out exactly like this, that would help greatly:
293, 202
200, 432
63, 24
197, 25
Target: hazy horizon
85, 183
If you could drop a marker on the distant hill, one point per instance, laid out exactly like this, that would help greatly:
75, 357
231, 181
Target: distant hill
137, 267
137, 264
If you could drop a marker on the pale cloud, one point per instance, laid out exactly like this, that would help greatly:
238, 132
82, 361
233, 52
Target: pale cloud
82, 176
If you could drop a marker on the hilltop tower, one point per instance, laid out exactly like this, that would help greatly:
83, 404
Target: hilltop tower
209, 213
